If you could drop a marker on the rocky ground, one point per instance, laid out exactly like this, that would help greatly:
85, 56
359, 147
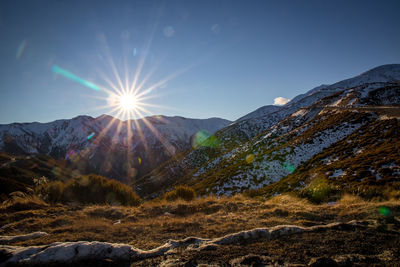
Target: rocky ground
350, 247
229, 232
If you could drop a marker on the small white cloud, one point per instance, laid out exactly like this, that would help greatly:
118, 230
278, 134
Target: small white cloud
280, 101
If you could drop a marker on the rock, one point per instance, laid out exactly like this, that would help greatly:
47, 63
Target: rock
68, 252
75, 252
322, 262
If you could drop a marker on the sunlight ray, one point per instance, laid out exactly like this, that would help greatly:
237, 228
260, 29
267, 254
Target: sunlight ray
161, 82
142, 138
160, 106
109, 82
146, 50
126, 75
108, 126
135, 90
112, 64
161, 138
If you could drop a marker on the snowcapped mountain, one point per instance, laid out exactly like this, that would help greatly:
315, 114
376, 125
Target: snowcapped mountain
268, 150
257, 124
262, 150
265, 110
101, 144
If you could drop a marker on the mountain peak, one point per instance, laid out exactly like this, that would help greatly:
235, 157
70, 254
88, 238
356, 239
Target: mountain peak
262, 111
386, 69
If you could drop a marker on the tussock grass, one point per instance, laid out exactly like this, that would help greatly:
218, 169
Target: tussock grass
348, 199
89, 189
180, 192
153, 223
20, 201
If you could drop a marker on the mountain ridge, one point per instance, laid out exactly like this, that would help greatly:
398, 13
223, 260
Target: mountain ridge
341, 107
214, 155
87, 139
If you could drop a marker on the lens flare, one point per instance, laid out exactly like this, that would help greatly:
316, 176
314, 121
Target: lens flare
21, 49
169, 31
205, 139
127, 94
57, 70
250, 158
90, 136
385, 211
288, 167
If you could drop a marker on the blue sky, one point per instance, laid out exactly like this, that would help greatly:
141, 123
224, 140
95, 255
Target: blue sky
222, 58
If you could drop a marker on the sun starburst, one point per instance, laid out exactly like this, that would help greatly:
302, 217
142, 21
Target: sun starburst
128, 93
127, 103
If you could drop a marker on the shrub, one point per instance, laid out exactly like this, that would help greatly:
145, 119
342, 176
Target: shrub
180, 192
317, 191
51, 192
90, 189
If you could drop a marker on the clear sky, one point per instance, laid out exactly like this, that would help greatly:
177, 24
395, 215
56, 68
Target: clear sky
213, 58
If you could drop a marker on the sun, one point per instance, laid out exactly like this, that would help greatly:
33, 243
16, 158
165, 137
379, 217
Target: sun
127, 102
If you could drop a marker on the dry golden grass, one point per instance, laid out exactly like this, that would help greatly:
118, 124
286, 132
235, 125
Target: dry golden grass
153, 223
21, 201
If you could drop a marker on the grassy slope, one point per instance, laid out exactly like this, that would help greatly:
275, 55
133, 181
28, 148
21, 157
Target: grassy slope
363, 157
17, 172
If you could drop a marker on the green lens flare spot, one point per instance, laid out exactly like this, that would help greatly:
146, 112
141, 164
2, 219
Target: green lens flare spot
90, 136
385, 211
288, 167
204, 139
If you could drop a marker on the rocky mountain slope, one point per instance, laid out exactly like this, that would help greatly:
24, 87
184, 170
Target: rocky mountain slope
261, 150
105, 145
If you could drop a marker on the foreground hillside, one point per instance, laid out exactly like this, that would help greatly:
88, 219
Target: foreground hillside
326, 230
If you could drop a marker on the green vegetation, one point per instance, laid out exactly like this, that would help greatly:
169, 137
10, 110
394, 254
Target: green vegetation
317, 191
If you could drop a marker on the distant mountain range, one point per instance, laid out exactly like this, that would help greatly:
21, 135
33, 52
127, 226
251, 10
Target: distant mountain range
346, 133
122, 150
